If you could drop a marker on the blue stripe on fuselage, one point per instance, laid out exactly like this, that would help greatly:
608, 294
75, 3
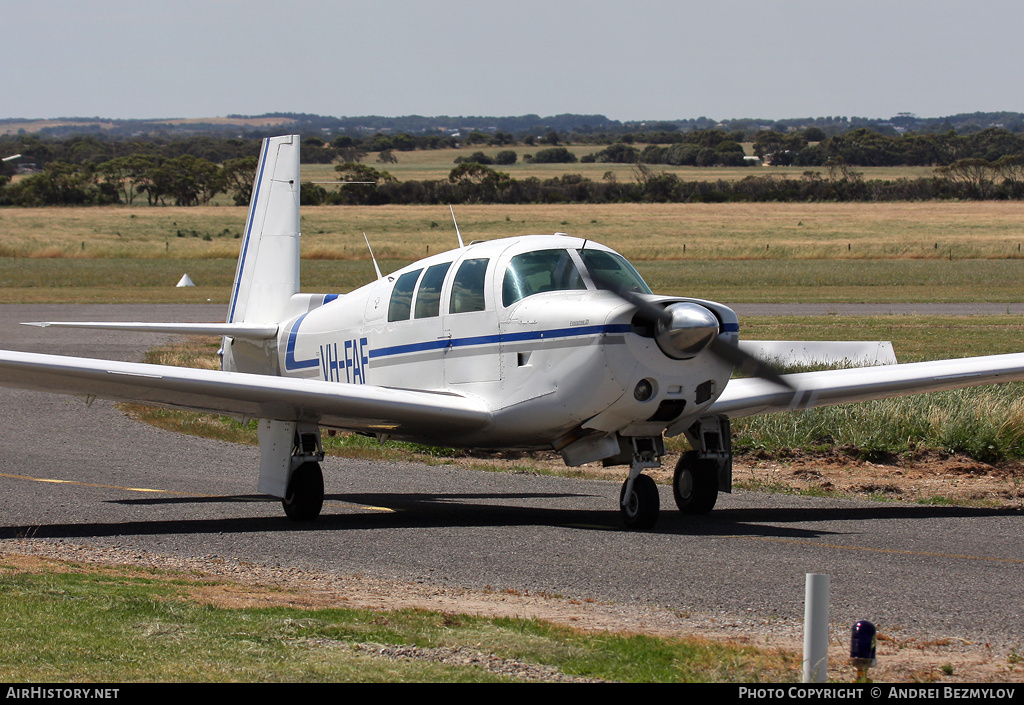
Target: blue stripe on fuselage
291, 363
499, 338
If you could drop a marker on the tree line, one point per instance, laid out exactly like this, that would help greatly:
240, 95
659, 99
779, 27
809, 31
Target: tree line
191, 181
987, 164
470, 182
185, 180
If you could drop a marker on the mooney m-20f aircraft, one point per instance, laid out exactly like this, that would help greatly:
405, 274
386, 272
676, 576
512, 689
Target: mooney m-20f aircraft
542, 341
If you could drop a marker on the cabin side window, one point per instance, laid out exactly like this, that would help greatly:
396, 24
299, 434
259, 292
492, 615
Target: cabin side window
428, 298
401, 296
537, 272
468, 286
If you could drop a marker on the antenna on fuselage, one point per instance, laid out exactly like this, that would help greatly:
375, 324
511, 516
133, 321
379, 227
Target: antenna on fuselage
461, 245
375, 267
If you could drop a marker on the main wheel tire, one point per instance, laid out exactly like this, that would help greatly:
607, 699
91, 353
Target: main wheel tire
640, 509
305, 493
695, 484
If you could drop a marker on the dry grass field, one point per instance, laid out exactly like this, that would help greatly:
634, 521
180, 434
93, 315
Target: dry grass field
730, 252
930, 230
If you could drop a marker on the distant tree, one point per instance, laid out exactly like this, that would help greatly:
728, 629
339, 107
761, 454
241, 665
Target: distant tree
379, 143
505, 157
403, 142
353, 171
554, 155
387, 156
192, 180
839, 170
475, 137
124, 173
814, 134
502, 138
476, 157
469, 171
239, 177
977, 174
618, 153
1011, 167
351, 154
312, 194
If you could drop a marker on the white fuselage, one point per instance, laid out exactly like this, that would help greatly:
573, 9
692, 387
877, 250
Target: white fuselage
557, 357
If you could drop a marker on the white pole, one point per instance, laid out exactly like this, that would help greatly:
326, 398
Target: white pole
816, 596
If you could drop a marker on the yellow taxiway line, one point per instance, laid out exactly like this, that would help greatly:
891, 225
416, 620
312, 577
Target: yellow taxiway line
175, 492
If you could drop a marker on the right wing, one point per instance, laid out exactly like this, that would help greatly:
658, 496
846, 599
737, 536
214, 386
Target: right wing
398, 413
750, 396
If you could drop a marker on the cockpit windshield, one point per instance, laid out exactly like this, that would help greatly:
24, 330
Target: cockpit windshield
556, 270
537, 272
609, 270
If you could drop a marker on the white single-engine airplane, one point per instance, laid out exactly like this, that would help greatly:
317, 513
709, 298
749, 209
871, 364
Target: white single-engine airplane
542, 341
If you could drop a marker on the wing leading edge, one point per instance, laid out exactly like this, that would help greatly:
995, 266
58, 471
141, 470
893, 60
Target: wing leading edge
747, 397
250, 331
395, 412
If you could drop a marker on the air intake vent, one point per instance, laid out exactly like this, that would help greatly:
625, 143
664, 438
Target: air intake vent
668, 410
704, 391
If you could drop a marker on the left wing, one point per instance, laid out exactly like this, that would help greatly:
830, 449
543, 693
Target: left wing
250, 331
749, 396
367, 408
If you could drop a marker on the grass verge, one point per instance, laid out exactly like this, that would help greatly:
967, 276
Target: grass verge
68, 623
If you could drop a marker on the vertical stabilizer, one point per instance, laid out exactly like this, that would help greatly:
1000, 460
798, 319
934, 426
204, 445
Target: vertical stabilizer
268, 263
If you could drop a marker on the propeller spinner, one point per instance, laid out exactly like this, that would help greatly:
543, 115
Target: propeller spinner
684, 329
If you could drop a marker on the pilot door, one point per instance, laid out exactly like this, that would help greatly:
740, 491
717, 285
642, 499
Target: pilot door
471, 325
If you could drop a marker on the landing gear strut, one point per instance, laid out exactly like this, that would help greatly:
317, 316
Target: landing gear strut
639, 500
290, 455
640, 508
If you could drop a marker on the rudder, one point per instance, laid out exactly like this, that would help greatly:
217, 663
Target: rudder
267, 274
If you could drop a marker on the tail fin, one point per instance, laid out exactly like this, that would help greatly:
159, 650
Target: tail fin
268, 263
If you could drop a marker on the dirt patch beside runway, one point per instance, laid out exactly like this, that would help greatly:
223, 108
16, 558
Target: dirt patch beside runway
926, 476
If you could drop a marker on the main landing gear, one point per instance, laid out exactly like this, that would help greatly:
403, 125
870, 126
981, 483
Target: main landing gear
290, 456
698, 478
305, 495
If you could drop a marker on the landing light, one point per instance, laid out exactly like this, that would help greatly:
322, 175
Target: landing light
643, 390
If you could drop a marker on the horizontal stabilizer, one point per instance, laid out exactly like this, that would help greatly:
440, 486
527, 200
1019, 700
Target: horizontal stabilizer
851, 353
248, 331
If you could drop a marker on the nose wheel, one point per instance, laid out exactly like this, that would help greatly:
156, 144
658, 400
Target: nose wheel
640, 503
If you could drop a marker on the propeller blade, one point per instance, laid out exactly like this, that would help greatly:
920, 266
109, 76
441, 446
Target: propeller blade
742, 361
747, 363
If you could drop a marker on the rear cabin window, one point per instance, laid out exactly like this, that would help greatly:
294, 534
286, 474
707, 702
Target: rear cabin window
537, 272
401, 296
428, 298
468, 286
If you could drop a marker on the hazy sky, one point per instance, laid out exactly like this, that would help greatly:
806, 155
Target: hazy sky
629, 60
